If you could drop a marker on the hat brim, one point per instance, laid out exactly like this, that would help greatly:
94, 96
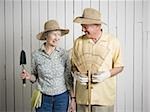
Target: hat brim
41, 36
83, 20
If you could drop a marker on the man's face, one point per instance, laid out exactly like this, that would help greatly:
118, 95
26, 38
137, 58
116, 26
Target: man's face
90, 30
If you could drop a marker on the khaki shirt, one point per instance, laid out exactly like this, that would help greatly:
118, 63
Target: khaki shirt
103, 55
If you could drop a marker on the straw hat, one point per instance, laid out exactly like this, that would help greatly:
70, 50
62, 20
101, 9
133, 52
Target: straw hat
89, 16
51, 25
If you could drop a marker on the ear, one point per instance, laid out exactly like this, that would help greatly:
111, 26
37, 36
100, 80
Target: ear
45, 37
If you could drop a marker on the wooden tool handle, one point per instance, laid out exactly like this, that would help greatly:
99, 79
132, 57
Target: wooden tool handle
89, 90
23, 80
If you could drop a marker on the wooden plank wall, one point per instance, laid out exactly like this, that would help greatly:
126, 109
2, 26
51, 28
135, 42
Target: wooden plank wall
21, 20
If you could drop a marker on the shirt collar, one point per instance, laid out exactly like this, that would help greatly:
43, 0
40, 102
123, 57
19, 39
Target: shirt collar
43, 49
103, 38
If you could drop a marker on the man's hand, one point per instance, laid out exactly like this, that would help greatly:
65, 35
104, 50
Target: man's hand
100, 76
82, 78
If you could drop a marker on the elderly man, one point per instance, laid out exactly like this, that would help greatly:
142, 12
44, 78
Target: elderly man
97, 54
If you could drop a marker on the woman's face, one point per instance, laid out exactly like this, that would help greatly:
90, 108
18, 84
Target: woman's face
53, 38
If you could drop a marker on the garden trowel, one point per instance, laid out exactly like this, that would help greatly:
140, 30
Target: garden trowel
22, 63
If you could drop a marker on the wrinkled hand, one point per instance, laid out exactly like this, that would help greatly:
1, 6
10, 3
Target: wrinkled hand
82, 78
72, 106
100, 76
25, 75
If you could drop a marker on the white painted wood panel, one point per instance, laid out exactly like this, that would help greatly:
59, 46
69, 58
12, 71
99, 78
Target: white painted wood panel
147, 90
146, 77
22, 20
34, 29
77, 11
146, 63
51, 9
95, 4
129, 58
60, 17
9, 56
2, 58
85, 4
69, 24
119, 28
43, 15
138, 57
35, 24
104, 14
26, 39
17, 48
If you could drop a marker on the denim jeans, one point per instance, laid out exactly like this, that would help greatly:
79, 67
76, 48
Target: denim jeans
56, 103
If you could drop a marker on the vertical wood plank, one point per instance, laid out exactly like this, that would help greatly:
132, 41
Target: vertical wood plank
17, 49
146, 77
112, 16
86, 4
132, 29
116, 15
9, 56
77, 31
138, 57
35, 24
120, 33
104, 14
34, 30
2, 57
148, 88
51, 9
146, 63
69, 24
129, 87
95, 4
42, 15
60, 17
26, 46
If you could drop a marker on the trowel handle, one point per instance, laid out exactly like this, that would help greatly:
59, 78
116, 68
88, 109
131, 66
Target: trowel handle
23, 80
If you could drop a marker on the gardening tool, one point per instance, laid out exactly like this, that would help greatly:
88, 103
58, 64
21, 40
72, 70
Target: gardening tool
22, 63
89, 90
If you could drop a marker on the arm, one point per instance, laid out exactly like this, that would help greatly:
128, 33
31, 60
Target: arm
117, 66
116, 70
72, 105
33, 76
26, 75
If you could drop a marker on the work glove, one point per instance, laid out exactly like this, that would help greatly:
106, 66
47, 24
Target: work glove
100, 76
82, 78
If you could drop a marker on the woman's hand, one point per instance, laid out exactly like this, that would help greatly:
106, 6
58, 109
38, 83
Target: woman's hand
25, 75
72, 106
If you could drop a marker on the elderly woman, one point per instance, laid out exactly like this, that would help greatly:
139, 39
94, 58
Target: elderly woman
51, 70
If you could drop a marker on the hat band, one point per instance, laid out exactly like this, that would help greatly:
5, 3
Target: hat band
91, 18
